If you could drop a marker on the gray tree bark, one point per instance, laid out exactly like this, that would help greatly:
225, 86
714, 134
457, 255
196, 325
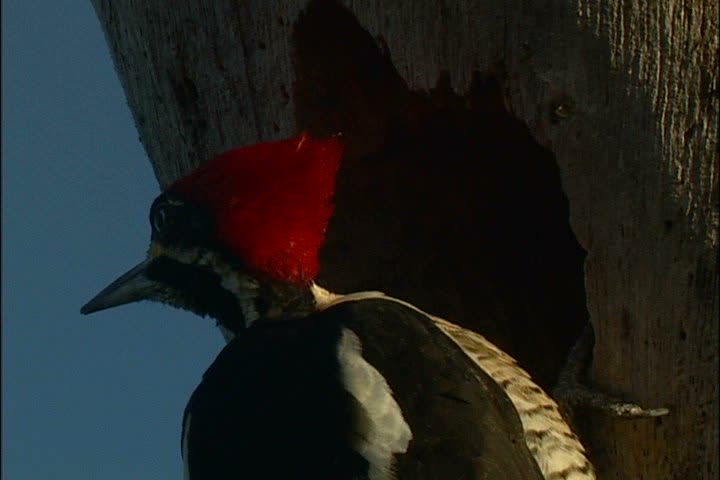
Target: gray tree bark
465, 122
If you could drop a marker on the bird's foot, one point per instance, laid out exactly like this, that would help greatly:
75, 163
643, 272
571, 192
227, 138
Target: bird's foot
570, 392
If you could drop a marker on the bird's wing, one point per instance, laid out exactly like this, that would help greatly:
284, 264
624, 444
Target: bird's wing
555, 447
463, 425
271, 407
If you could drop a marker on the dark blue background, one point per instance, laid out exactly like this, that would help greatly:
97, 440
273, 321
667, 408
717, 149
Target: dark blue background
98, 397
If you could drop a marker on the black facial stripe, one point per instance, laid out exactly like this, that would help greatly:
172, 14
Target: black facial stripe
198, 289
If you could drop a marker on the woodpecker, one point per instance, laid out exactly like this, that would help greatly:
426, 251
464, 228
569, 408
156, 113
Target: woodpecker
318, 385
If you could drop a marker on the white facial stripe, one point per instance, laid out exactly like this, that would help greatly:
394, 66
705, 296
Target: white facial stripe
188, 256
388, 432
243, 287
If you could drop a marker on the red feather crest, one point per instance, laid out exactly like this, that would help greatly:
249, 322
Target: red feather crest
272, 202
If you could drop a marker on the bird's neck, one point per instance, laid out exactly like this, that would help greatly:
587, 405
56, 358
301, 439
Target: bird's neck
271, 301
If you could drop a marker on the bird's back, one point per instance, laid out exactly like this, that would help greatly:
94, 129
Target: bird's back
365, 389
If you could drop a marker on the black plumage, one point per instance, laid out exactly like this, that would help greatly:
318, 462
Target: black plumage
273, 404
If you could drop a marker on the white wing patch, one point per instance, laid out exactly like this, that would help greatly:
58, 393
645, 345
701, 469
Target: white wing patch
387, 433
556, 449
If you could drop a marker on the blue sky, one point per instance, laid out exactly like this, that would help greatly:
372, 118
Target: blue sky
83, 397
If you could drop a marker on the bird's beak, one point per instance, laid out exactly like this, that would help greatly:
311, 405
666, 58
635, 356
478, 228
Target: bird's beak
132, 286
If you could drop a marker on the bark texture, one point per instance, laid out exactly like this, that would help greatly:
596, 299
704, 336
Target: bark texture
490, 145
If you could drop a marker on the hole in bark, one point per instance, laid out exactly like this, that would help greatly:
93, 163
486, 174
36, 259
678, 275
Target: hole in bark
443, 200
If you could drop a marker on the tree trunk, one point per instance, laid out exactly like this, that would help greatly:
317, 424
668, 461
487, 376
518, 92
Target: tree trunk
491, 144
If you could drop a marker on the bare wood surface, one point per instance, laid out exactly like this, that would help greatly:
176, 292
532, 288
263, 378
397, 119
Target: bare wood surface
447, 200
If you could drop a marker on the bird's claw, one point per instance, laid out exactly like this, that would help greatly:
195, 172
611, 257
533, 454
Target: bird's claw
570, 392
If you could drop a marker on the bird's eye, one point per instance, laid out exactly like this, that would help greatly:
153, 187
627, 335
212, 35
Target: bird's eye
159, 219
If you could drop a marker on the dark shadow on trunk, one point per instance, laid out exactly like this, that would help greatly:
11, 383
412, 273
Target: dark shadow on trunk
444, 201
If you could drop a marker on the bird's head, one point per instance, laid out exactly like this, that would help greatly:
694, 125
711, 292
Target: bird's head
238, 239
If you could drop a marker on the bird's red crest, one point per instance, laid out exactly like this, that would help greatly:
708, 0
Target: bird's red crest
272, 202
